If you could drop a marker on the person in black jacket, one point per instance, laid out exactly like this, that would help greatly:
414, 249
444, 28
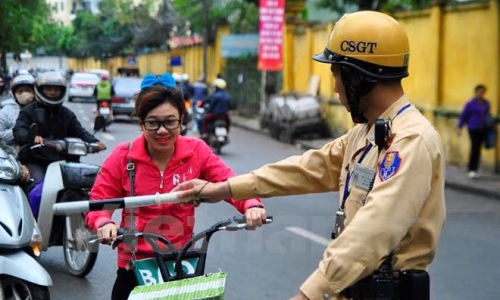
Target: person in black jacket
54, 121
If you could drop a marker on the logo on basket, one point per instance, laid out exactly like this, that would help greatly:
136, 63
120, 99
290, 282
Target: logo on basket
149, 271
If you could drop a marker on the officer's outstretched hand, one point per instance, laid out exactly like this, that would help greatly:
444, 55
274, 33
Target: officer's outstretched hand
203, 191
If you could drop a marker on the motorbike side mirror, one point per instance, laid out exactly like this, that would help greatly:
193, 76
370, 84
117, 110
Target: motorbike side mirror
99, 123
32, 133
39, 115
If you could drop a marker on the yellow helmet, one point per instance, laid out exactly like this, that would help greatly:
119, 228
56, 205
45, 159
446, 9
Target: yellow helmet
220, 83
370, 41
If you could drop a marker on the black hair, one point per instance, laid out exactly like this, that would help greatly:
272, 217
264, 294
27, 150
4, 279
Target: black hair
151, 97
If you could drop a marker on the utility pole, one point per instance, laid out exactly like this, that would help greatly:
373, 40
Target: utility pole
205, 37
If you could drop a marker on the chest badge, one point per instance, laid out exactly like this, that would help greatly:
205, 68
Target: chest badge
390, 165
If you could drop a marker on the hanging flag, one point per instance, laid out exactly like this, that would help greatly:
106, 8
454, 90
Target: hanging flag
271, 21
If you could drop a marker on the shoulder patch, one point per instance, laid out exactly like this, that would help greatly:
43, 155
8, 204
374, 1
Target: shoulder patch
390, 165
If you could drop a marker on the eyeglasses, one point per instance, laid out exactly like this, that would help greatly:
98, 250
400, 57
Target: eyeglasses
154, 125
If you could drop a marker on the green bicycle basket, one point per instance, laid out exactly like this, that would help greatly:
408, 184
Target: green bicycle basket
206, 287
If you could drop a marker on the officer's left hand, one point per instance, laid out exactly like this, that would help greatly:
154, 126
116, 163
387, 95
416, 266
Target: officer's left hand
299, 296
255, 217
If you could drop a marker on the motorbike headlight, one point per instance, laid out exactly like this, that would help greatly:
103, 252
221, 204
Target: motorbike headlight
9, 168
77, 148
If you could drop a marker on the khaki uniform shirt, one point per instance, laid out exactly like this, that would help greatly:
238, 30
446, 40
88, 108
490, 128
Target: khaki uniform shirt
404, 212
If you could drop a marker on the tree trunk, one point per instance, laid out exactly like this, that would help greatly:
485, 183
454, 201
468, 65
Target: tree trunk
3, 63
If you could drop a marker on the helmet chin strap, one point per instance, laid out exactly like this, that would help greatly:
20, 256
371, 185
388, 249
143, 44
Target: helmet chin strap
356, 85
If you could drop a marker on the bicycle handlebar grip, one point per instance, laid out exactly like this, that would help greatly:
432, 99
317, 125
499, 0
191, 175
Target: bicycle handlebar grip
243, 219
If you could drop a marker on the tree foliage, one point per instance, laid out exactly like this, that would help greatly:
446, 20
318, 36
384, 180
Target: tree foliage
242, 15
119, 27
341, 6
23, 24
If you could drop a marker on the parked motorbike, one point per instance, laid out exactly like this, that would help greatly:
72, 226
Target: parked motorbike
21, 275
67, 181
104, 112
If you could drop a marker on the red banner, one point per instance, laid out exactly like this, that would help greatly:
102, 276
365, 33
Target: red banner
271, 20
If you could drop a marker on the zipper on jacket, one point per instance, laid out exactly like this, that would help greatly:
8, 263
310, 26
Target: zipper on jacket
161, 180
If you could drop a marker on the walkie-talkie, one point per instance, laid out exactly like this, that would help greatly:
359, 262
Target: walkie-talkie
382, 132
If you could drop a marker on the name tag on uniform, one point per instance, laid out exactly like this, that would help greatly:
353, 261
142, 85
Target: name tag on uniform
362, 176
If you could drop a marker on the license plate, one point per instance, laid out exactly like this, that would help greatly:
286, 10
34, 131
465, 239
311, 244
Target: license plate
104, 110
220, 131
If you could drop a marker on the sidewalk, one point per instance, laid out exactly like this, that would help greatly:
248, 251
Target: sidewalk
456, 177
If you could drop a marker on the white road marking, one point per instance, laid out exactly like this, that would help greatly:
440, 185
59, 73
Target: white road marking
107, 136
308, 235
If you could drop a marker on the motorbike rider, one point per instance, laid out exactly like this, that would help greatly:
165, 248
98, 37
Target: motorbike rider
220, 104
200, 93
103, 92
54, 121
23, 93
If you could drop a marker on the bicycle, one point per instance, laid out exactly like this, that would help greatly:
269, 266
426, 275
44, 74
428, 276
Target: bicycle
173, 274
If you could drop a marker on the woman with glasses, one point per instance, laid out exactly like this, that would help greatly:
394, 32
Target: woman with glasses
161, 159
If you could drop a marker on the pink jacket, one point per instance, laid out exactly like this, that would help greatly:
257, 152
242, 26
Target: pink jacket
192, 159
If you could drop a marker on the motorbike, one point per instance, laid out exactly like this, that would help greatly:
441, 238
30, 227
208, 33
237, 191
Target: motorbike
104, 112
21, 275
187, 118
69, 180
217, 129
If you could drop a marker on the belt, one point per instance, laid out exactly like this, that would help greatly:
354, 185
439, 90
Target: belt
370, 288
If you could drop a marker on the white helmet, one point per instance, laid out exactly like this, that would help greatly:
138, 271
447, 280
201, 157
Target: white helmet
23, 80
53, 79
177, 77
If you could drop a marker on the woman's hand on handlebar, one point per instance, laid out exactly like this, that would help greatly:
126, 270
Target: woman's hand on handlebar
107, 232
255, 216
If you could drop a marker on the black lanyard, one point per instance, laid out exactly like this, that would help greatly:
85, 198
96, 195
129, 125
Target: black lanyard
367, 149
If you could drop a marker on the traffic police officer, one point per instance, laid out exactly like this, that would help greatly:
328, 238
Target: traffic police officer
389, 168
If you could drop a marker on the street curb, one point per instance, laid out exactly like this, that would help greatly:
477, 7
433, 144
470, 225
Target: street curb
470, 189
249, 128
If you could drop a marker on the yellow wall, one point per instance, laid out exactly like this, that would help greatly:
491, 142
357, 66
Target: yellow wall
159, 62
452, 50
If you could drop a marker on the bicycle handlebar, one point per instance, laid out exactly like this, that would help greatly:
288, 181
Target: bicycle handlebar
125, 235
